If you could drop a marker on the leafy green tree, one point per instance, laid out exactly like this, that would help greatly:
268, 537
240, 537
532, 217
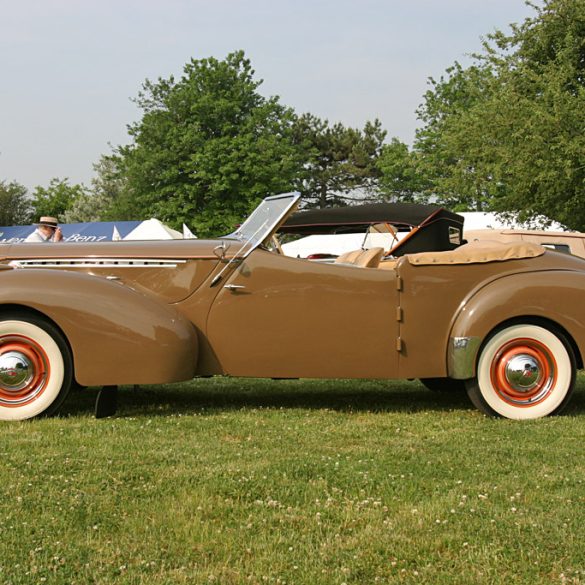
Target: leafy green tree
401, 177
208, 147
341, 162
539, 114
15, 206
449, 147
506, 134
56, 199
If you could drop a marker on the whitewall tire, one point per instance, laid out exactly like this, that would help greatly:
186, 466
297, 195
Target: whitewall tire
35, 367
523, 372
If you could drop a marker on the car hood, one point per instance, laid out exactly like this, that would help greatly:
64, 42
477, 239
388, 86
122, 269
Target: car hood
180, 249
171, 270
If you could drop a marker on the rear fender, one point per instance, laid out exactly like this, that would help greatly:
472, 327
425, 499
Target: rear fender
117, 335
553, 297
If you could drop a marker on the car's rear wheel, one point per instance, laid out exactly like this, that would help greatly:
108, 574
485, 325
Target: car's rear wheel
443, 384
523, 372
35, 367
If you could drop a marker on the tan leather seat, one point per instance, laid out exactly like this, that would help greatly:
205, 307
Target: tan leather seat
369, 258
348, 257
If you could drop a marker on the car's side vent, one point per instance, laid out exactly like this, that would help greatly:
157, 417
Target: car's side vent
96, 263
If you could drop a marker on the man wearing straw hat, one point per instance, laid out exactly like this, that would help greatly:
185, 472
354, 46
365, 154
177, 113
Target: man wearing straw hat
47, 231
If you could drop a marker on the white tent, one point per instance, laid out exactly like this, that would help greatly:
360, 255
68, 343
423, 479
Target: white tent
153, 229
188, 234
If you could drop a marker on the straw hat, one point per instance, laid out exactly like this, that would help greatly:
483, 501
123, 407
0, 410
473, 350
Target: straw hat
48, 221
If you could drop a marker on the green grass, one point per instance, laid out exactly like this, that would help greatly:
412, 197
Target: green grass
299, 482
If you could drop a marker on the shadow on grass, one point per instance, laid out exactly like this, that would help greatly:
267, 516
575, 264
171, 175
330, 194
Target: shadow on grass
223, 394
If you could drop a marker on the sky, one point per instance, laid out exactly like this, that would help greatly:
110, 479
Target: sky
70, 68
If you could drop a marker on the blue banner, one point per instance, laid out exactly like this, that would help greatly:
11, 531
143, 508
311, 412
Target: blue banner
101, 231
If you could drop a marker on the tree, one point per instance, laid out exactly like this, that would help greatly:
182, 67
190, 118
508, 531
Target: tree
208, 147
104, 199
449, 148
15, 207
510, 138
401, 177
538, 135
341, 162
56, 199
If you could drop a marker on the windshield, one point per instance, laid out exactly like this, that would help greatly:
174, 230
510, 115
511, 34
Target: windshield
263, 221
265, 218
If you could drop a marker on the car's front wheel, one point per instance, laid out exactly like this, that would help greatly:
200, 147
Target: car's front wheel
523, 372
35, 367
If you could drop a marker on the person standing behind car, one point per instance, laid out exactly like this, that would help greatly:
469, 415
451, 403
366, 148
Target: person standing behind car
48, 230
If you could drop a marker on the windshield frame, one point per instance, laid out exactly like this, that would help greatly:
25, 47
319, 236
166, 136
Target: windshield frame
252, 236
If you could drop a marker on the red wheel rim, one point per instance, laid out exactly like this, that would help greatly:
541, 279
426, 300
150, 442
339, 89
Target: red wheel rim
523, 372
24, 370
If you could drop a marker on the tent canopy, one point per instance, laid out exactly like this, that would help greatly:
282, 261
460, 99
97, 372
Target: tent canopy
153, 229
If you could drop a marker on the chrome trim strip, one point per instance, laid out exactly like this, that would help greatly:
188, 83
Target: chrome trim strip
96, 263
461, 357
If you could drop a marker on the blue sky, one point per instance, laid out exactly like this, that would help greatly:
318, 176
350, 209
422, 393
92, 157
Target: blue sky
70, 67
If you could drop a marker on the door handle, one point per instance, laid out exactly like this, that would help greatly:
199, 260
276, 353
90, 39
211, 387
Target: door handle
234, 287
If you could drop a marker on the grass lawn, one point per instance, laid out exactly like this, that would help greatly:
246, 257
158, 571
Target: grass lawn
299, 482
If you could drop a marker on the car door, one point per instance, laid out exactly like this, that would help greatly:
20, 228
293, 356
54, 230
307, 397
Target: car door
277, 316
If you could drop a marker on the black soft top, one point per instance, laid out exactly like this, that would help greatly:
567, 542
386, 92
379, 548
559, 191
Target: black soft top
432, 228
335, 219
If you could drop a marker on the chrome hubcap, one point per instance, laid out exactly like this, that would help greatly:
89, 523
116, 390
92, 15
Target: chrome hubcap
16, 371
24, 370
523, 372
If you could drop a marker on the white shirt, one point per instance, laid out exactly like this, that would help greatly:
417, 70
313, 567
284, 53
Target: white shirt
37, 236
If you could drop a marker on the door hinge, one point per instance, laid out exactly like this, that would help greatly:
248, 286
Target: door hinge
399, 314
398, 344
399, 283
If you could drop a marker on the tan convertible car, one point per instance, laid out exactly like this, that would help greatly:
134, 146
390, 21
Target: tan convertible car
507, 322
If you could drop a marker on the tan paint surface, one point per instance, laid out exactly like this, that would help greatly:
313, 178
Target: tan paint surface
117, 336
469, 300
294, 318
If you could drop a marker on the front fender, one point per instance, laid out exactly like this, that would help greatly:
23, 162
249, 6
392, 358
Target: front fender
117, 335
553, 295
